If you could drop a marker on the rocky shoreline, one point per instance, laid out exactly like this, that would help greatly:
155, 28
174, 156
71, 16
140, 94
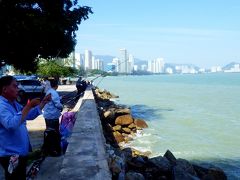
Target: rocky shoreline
120, 127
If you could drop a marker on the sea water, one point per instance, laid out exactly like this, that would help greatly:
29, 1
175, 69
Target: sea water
195, 116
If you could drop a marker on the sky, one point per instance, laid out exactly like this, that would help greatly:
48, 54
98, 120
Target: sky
205, 33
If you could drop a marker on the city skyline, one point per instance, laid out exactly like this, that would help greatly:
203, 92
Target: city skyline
202, 33
125, 64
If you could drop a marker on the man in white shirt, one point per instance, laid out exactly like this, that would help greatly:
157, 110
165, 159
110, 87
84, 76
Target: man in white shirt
52, 110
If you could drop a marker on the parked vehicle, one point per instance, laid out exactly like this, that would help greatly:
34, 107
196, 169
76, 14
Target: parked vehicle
29, 88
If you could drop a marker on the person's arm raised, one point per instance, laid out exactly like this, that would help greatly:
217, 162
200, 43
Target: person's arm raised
32, 103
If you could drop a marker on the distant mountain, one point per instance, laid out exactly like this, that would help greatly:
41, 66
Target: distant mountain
105, 58
230, 65
140, 62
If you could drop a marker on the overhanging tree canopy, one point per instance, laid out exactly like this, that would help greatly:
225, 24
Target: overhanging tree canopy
38, 28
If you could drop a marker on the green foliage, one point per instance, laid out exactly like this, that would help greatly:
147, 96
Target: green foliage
54, 69
38, 28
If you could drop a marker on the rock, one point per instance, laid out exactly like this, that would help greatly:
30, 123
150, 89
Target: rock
127, 139
210, 173
117, 128
115, 164
126, 130
186, 166
131, 126
215, 173
127, 152
122, 111
107, 114
139, 153
124, 120
125, 135
201, 171
180, 174
118, 136
162, 163
137, 163
140, 123
171, 158
134, 176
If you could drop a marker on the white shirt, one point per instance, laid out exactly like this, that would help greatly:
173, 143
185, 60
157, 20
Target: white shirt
47, 86
52, 110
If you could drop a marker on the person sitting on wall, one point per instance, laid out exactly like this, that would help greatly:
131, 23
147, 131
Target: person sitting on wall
14, 138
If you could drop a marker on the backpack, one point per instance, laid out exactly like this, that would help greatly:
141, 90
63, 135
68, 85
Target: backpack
66, 126
67, 122
52, 143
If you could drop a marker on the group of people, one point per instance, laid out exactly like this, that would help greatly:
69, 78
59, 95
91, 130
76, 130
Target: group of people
14, 138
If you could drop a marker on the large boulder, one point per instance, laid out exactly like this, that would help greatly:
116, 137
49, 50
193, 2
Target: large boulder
117, 128
131, 126
126, 130
215, 173
115, 164
134, 176
118, 136
162, 163
209, 173
124, 120
186, 166
180, 174
122, 111
171, 158
140, 123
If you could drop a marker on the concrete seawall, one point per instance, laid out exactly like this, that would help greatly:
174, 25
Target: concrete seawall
85, 157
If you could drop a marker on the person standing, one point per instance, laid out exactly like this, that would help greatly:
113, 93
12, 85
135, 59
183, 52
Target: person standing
79, 86
51, 113
14, 138
52, 110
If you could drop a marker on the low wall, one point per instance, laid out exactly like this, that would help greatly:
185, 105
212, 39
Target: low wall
85, 157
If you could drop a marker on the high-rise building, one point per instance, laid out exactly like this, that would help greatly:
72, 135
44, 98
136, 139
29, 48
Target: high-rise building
99, 64
156, 65
116, 63
93, 63
159, 65
123, 61
131, 63
77, 63
88, 60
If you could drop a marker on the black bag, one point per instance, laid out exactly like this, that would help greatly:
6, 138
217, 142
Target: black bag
52, 143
